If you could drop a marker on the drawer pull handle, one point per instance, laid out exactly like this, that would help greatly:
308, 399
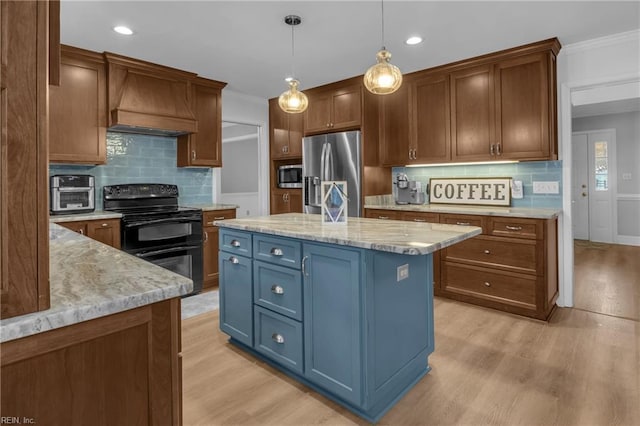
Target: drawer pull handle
104, 225
235, 243
419, 220
487, 284
218, 218
278, 338
487, 252
234, 260
206, 236
277, 289
383, 217
463, 223
276, 252
514, 228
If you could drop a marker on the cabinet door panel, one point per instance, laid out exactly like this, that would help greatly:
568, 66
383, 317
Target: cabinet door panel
317, 115
472, 114
105, 231
296, 131
346, 109
431, 119
279, 338
332, 320
522, 108
210, 248
295, 201
236, 297
207, 142
394, 128
279, 129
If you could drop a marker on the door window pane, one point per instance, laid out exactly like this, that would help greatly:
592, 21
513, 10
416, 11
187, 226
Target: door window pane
602, 166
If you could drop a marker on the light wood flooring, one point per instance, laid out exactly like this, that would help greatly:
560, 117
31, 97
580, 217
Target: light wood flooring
489, 368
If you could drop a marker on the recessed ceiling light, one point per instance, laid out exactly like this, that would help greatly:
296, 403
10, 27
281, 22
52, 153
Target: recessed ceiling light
123, 30
414, 40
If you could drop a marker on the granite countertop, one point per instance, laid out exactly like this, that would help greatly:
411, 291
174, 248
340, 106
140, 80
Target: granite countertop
89, 280
392, 236
386, 202
95, 215
213, 207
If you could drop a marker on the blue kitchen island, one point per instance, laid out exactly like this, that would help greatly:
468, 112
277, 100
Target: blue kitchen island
345, 309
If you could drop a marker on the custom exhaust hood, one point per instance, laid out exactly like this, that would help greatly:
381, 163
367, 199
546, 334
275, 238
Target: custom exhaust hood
149, 99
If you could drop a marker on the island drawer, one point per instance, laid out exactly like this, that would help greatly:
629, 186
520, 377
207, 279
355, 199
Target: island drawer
503, 287
209, 217
516, 227
279, 338
278, 288
281, 251
235, 242
517, 255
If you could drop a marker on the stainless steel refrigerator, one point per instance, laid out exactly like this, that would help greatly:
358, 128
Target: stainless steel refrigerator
333, 156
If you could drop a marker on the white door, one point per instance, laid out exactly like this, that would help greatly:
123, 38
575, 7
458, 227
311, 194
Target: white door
580, 187
593, 198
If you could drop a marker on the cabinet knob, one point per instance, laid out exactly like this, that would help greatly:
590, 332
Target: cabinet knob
193, 154
514, 228
276, 252
278, 338
492, 149
218, 218
276, 289
234, 260
104, 225
487, 252
235, 243
487, 284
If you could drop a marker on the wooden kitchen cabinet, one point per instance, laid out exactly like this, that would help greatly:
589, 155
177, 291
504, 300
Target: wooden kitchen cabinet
106, 231
285, 132
430, 128
210, 245
286, 201
124, 368
333, 108
203, 148
382, 214
394, 127
24, 137
78, 109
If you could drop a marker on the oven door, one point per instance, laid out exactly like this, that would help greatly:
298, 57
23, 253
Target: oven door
183, 260
150, 234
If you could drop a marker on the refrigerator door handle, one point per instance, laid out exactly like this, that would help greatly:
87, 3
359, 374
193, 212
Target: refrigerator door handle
328, 163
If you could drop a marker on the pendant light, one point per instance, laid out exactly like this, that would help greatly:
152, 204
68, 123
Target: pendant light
383, 78
293, 101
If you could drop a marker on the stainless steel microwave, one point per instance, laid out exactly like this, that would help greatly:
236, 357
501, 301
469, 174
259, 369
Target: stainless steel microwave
72, 194
290, 176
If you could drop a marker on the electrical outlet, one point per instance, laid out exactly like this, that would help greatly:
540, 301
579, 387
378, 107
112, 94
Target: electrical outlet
546, 187
626, 176
403, 272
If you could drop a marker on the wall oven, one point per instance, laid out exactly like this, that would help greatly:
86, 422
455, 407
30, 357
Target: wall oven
154, 228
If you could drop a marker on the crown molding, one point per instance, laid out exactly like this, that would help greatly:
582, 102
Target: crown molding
605, 41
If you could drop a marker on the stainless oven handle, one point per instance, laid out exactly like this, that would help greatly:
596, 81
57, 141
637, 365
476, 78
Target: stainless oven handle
169, 219
167, 250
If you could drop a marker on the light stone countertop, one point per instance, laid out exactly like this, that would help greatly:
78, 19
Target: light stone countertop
390, 235
212, 207
89, 280
95, 215
386, 202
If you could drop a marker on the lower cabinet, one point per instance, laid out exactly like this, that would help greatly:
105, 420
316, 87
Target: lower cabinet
210, 271
335, 318
106, 231
286, 201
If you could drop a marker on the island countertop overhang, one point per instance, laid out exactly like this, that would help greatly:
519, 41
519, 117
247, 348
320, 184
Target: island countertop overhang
401, 237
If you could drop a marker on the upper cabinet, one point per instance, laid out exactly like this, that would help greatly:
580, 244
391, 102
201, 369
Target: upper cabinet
204, 148
430, 119
78, 109
393, 120
285, 132
333, 108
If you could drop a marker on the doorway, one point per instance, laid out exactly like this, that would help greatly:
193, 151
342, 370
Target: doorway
239, 178
593, 186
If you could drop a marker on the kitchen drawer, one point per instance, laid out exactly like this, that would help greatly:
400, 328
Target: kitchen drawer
210, 216
278, 288
382, 214
281, 251
463, 220
517, 255
235, 242
279, 338
481, 283
421, 217
516, 227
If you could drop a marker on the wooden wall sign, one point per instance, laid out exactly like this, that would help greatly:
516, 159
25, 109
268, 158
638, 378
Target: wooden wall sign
475, 191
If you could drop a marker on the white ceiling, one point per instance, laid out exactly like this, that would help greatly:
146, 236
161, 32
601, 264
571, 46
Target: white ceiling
247, 44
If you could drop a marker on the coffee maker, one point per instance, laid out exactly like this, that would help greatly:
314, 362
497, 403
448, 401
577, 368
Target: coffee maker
408, 191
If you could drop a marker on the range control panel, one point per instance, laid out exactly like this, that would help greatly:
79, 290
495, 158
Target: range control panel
139, 190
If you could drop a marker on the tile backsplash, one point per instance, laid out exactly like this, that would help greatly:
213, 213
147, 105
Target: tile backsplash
527, 172
145, 159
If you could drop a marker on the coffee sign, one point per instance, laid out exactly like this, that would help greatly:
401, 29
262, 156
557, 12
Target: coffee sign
475, 191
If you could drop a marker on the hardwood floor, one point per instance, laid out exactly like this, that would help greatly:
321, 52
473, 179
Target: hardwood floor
489, 368
607, 279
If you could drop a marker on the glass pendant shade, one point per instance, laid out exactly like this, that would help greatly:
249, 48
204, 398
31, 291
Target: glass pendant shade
383, 78
293, 101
